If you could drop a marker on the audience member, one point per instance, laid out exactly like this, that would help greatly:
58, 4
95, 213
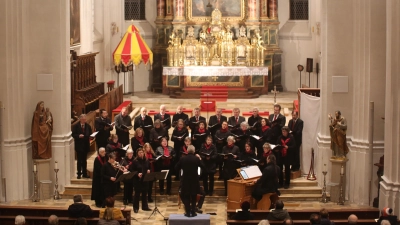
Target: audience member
263, 222
386, 214
325, 217
80, 221
19, 220
117, 213
314, 219
78, 209
352, 219
245, 213
385, 222
288, 222
108, 218
53, 220
278, 213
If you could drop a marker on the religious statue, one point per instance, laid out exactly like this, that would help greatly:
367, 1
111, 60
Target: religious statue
338, 128
42, 129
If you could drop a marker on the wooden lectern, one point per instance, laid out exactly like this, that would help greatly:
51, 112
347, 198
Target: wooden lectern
240, 189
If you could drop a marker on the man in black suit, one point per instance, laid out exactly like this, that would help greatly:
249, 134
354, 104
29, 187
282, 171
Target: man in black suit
81, 133
194, 120
103, 126
189, 180
218, 118
255, 122
296, 129
122, 121
180, 115
235, 120
144, 121
278, 115
165, 118
79, 209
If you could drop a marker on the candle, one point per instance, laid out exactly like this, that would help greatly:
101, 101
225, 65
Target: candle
342, 170
56, 165
34, 167
325, 167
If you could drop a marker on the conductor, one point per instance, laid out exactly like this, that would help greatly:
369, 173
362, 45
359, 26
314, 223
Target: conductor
189, 180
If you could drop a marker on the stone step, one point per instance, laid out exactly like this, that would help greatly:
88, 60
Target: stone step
300, 197
301, 190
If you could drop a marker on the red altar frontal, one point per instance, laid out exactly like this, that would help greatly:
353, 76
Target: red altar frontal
239, 81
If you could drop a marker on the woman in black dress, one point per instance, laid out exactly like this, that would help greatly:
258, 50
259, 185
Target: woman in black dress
127, 162
113, 147
138, 140
220, 142
167, 154
262, 163
200, 135
264, 137
248, 156
156, 133
184, 152
178, 137
142, 166
97, 189
150, 155
108, 175
242, 136
231, 152
208, 153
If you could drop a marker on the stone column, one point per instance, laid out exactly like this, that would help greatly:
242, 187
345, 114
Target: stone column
390, 185
160, 9
252, 10
169, 12
273, 9
179, 10
263, 9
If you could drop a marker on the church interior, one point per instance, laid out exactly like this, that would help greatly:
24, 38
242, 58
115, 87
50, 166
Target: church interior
323, 60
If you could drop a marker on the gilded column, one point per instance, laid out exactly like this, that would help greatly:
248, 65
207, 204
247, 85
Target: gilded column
160, 9
273, 9
179, 10
252, 10
263, 9
169, 15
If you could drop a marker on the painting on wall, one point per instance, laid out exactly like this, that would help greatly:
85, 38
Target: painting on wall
75, 22
202, 9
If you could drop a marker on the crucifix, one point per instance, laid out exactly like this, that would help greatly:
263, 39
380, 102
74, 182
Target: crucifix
274, 92
215, 78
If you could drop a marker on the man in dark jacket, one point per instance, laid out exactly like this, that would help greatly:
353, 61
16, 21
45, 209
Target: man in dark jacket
189, 180
78, 209
215, 121
277, 115
164, 117
81, 133
278, 213
296, 129
268, 183
245, 214
144, 121
103, 126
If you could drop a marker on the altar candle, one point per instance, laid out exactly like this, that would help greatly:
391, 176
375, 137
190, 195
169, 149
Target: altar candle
342, 170
56, 165
34, 167
325, 167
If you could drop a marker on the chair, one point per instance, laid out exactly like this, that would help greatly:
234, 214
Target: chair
44, 182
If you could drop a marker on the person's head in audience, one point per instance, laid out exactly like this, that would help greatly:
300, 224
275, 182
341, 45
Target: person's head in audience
279, 204
110, 202
53, 220
78, 199
352, 219
324, 213
108, 214
385, 222
124, 111
263, 222
81, 221
245, 206
287, 222
315, 219
19, 220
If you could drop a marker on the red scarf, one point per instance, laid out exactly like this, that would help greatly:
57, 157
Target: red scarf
115, 145
264, 128
244, 131
207, 146
179, 129
230, 146
224, 130
101, 161
184, 149
201, 130
249, 152
167, 161
284, 143
150, 156
140, 139
266, 154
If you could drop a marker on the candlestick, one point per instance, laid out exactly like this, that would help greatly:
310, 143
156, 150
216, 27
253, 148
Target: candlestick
34, 167
341, 197
325, 167
324, 197
342, 170
56, 193
35, 197
56, 165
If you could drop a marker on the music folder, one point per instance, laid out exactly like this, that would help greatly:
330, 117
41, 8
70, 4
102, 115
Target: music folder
126, 176
156, 176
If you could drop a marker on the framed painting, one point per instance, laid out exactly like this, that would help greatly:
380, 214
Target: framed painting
200, 10
257, 81
173, 81
75, 22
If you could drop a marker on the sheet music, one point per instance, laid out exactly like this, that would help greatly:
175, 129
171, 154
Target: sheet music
126, 147
252, 171
165, 174
94, 134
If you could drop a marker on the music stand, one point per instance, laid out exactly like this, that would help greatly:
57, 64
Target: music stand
154, 176
126, 176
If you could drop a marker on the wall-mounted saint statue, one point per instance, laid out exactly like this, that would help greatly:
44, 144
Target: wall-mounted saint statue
338, 128
42, 129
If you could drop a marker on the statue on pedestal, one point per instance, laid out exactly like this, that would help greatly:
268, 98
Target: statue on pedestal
42, 129
338, 128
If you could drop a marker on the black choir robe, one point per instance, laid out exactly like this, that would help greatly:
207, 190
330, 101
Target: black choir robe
220, 139
210, 162
166, 121
82, 144
146, 124
198, 139
230, 164
256, 122
135, 144
190, 178
247, 158
193, 123
281, 117
123, 136
179, 142
242, 137
264, 138
182, 116
212, 127
155, 133
108, 171
97, 189
103, 127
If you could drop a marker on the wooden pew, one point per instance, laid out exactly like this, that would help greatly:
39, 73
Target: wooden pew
112, 99
38, 214
40, 220
334, 214
298, 222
